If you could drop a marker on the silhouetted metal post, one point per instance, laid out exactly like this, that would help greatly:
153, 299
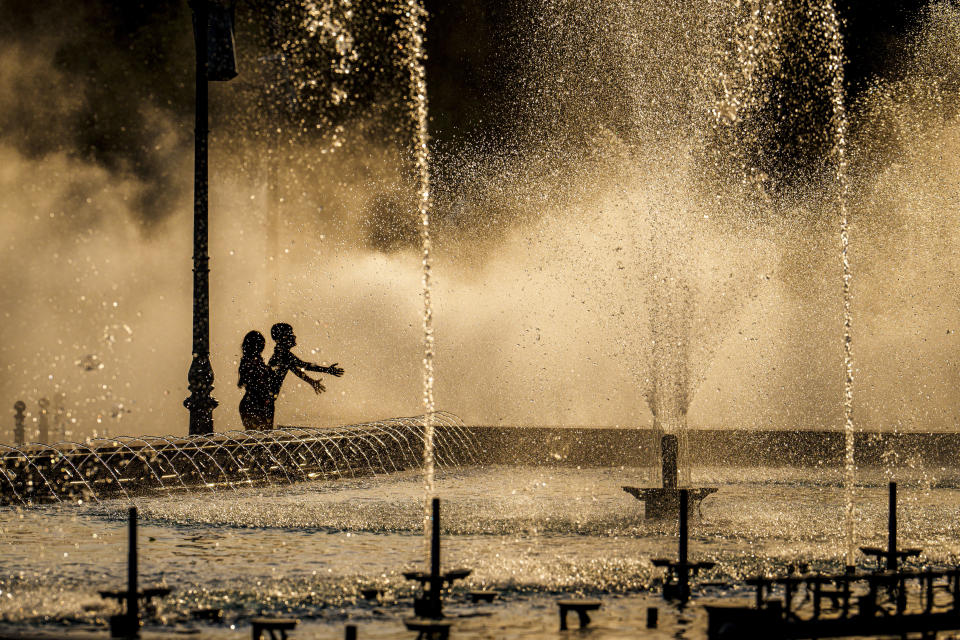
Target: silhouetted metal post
683, 577
652, 615
213, 35
892, 529
436, 585
43, 422
133, 601
669, 447
18, 418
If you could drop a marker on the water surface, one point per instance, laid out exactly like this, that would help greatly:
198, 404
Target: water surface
308, 549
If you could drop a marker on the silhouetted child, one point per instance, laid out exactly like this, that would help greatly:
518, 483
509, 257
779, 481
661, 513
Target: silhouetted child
283, 361
256, 379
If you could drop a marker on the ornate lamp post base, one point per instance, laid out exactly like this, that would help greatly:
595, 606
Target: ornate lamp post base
200, 403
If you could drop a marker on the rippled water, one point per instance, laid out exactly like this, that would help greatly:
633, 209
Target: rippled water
528, 532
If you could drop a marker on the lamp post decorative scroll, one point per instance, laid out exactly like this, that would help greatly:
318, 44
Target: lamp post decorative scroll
213, 35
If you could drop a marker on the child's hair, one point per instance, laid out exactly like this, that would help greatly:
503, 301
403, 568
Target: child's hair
280, 331
253, 345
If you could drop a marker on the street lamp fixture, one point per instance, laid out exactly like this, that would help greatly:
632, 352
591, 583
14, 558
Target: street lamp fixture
213, 36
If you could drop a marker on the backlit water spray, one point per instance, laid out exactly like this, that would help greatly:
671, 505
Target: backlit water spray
839, 125
413, 30
668, 391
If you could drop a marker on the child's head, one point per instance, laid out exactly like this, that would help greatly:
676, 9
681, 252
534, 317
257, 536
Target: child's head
253, 343
282, 334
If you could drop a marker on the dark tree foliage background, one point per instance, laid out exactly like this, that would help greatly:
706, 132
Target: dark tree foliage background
114, 61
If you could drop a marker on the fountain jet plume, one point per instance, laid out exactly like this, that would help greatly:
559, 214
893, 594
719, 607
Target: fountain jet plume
413, 34
835, 65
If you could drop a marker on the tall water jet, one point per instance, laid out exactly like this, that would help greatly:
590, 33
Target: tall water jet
770, 136
835, 62
272, 162
413, 28
667, 393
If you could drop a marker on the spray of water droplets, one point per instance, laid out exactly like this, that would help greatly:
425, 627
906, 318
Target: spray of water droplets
413, 28
329, 20
831, 27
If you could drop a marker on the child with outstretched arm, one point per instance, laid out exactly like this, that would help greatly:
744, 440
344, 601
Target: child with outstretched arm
283, 361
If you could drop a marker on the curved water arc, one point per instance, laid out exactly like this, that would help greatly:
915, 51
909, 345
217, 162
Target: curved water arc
315, 435
232, 437
182, 452
106, 467
163, 453
286, 451
67, 460
223, 473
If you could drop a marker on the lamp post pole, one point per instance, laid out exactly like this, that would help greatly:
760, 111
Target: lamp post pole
213, 34
200, 377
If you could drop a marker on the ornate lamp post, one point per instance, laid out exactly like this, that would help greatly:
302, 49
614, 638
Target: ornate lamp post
213, 34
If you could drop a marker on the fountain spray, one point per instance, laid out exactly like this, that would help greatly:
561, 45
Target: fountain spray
839, 124
413, 27
668, 391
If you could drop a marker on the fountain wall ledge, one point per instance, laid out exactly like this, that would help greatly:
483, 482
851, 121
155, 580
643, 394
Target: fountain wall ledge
124, 466
638, 447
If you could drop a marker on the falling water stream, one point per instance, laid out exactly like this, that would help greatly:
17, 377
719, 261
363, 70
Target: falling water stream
413, 31
668, 390
839, 124
756, 53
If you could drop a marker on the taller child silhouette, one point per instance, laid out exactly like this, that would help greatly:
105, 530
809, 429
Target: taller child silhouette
256, 379
283, 361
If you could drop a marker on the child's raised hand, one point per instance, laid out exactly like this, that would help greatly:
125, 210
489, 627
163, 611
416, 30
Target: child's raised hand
334, 370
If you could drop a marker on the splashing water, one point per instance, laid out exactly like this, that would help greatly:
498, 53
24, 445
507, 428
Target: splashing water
128, 466
413, 27
839, 124
329, 20
668, 390
757, 57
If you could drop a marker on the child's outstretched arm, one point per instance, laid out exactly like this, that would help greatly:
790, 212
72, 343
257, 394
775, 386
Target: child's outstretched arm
316, 384
333, 369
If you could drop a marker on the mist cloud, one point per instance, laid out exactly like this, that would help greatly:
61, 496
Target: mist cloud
545, 241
